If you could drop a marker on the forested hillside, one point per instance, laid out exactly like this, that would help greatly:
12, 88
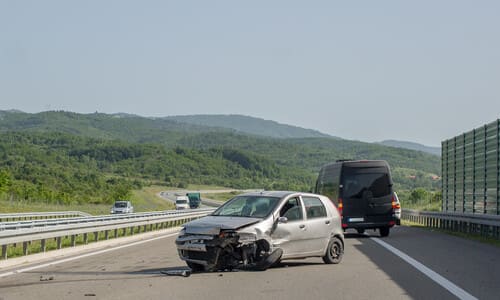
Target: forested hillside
64, 168
62, 156
249, 125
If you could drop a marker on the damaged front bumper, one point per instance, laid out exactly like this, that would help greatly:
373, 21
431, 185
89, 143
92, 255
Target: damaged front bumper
226, 250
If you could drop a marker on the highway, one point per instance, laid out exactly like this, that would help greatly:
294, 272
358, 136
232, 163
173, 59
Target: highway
368, 271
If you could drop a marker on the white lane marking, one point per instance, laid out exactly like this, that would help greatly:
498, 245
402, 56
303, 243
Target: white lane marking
52, 263
445, 283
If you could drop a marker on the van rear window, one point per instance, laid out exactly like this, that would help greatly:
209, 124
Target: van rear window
360, 182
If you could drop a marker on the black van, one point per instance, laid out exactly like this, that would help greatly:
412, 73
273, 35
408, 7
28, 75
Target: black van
362, 191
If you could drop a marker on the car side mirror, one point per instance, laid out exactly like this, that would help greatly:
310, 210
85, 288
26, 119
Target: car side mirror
283, 220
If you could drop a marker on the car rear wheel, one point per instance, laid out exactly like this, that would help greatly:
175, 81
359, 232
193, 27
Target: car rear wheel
334, 252
384, 231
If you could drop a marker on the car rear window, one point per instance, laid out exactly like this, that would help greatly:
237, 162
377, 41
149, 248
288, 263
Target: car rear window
121, 204
358, 181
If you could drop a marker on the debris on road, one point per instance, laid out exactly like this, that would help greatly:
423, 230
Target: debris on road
178, 272
46, 279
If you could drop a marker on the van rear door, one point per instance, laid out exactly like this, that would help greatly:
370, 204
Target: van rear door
366, 192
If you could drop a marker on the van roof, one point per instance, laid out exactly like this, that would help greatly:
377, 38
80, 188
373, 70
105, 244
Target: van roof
356, 163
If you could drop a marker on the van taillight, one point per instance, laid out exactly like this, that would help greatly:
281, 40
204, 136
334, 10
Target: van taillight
340, 206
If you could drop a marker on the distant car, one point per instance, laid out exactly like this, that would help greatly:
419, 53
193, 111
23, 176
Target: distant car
181, 202
256, 230
397, 208
122, 207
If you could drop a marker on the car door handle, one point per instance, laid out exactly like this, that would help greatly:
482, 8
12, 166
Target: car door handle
302, 226
327, 222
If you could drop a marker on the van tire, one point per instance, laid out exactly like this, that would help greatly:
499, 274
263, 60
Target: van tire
384, 231
334, 251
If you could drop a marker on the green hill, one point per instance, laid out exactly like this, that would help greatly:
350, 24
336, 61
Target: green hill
249, 125
95, 157
412, 146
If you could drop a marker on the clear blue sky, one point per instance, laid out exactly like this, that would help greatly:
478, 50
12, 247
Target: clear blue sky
422, 71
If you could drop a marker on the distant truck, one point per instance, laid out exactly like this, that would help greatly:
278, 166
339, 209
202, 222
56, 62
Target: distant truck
194, 200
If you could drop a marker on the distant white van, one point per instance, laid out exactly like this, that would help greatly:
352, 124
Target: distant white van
181, 202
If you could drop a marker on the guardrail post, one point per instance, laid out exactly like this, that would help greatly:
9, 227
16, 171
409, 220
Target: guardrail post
73, 240
132, 230
96, 236
116, 233
59, 242
43, 246
25, 248
106, 235
85, 238
4, 251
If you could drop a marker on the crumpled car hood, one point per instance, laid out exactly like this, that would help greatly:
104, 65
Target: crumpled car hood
213, 224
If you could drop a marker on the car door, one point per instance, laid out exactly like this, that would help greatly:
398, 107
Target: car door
318, 225
290, 235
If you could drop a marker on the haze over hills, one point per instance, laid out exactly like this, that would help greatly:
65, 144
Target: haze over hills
412, 146
249, 125
86, 150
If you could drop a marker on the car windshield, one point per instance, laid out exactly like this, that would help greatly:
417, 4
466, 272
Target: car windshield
120, 204
248, 206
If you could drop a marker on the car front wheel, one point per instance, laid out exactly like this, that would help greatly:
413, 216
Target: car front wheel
334, 252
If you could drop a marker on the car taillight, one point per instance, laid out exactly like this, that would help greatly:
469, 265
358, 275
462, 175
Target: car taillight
395, 204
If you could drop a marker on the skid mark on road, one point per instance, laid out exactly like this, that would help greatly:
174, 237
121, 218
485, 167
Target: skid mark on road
445, 283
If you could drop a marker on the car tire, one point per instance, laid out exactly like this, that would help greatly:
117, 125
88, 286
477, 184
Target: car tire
195, 267
270, 260
384, 231
334, 251
360, 230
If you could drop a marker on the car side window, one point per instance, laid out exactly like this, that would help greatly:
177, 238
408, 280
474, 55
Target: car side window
292, 210
314, 207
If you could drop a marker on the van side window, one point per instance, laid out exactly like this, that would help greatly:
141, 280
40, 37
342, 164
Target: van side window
314, 208
328, 182
292, 210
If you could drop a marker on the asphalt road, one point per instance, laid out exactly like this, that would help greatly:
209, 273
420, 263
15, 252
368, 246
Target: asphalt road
368, 271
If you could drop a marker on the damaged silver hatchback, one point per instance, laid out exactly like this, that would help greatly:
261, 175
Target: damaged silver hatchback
256, 230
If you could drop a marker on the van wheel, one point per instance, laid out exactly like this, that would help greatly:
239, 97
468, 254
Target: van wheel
334, 252
360, 230
384, 231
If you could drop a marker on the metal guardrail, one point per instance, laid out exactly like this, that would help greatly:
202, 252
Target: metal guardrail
15, 225
484, 225
4, 217
110, 226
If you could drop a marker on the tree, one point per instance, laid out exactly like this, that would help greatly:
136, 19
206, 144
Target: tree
5, 181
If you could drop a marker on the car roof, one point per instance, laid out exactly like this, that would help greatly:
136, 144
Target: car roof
279, 194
